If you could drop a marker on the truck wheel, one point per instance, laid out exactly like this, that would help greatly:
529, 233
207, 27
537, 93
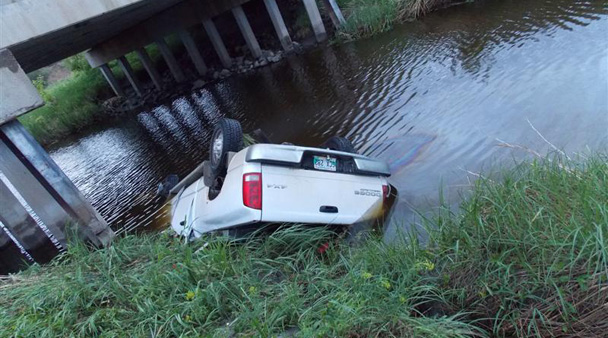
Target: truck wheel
340, 144
227, 137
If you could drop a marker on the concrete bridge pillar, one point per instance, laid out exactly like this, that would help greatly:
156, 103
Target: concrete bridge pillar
46, 189
218, 44
334, 13
12, 256
279, 24
37, 200
109, 76
128, 71
250, 39
177, 72
22, 225
193, 51
149, 67
315, 20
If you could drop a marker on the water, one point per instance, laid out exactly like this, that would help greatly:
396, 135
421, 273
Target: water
435, 98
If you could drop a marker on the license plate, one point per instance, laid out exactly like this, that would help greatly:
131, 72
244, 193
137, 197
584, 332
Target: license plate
325, 163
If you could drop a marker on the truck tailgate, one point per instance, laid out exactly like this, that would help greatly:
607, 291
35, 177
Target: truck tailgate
311, 196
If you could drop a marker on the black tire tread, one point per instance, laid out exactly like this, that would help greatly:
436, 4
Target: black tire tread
233, 142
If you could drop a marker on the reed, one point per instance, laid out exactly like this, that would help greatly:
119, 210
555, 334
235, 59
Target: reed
368, 17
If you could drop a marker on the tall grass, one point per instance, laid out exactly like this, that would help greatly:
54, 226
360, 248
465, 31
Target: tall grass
525, 257
529, 256
369, 17
70, 105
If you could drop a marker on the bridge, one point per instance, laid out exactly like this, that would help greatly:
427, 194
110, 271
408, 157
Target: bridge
39, 202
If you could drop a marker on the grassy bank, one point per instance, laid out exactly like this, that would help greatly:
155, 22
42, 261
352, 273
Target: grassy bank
368, 17
70, 105
525, 257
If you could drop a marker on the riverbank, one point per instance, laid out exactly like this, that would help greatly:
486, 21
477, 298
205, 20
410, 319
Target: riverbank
70, 106
365, 18
76, 103
525, 256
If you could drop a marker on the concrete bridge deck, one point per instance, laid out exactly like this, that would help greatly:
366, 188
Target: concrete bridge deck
41, 32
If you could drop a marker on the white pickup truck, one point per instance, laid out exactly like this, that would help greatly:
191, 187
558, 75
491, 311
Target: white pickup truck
277, 183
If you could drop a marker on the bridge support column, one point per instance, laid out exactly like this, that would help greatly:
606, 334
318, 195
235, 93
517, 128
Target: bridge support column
128, 71
218, 44
250, 39
109, 76
46, 189
315, 20
24, 228
177, 72
36, 198
193, 51
47, 210
334, 13
279, 24
149, 67
12, 258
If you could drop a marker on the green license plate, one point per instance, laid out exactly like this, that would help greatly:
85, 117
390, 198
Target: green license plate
325, 163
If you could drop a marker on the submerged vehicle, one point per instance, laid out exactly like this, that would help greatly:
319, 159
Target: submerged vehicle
277, 183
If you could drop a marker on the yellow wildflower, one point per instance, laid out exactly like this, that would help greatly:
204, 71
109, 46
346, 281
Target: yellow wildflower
252, 290
386, 284
425, 265
190, 295
402, 299
366, 275
188, 318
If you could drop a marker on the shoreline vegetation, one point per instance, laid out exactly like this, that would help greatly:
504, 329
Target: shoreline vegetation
365, 18
525, 256
75, 103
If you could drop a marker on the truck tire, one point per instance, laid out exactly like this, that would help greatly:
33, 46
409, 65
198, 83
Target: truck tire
227, 137
340, 144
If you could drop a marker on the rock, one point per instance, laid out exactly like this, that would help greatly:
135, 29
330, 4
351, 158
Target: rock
275, 58
197, 84
263, 63
239, 60
256, 64
113, 106
247, 63
225, 73
216, 75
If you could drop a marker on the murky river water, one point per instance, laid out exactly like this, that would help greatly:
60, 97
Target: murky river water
435, 98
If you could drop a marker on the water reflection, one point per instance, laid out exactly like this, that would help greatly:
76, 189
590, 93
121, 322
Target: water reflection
431, 97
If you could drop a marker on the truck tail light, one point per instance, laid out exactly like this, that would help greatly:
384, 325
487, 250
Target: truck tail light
386, 192
252, 190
